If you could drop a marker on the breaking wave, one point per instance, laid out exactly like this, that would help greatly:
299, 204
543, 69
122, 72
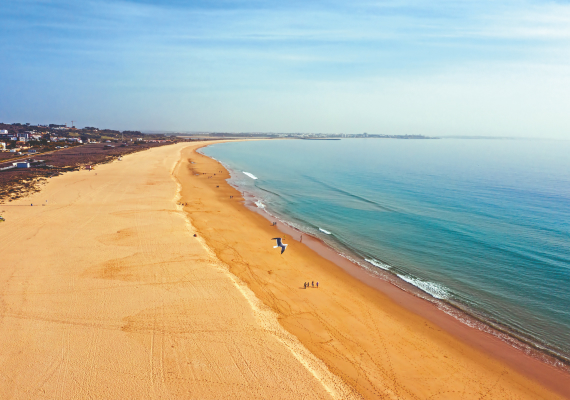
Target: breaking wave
250, 175
436, 290
377, 263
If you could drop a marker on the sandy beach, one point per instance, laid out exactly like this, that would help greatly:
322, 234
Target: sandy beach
106, 294
382, 341
144, 279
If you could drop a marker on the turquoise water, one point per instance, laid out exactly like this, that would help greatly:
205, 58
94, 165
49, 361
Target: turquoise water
483, 225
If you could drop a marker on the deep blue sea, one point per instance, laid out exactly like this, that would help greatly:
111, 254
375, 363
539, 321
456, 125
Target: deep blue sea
483, 225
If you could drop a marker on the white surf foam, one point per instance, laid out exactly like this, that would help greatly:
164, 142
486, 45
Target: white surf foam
378, 264
324, 231
436, 290
250, 175
259, 204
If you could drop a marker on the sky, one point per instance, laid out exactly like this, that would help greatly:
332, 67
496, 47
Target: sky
436, 68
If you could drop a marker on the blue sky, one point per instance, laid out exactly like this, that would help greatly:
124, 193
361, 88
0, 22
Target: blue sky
492, 68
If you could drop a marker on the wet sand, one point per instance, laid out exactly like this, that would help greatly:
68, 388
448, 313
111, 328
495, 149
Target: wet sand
382, 341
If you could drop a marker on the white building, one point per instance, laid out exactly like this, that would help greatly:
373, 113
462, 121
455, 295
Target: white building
3, 131
2, 146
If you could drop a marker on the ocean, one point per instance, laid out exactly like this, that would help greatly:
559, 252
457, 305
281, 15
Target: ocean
481, 226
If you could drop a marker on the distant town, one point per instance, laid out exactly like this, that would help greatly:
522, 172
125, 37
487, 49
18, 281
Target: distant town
17, 137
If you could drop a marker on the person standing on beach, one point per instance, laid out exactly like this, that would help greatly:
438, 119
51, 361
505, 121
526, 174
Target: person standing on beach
313, 283
317, 284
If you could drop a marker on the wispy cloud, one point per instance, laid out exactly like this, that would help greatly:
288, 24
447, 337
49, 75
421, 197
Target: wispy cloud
210, 49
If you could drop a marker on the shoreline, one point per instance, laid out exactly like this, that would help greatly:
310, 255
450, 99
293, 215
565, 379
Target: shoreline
358, 267
379, 279
488, 342
549, 376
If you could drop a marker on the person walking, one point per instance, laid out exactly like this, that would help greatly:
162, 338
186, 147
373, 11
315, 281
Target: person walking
317, 284
313, 283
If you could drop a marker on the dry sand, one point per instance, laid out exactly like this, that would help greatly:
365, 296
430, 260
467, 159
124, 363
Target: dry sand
105, 293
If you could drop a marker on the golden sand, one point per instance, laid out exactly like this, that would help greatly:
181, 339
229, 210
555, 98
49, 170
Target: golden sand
105, 293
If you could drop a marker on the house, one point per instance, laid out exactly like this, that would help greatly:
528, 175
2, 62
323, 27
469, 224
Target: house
31, 151
2, 146
24, 164
3, 131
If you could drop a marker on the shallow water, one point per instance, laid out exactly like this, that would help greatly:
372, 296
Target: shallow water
481, 224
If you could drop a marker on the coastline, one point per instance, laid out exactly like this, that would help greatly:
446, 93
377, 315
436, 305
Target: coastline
485, 348
393, 285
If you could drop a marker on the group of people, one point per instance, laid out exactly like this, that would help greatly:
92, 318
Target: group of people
312, 284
